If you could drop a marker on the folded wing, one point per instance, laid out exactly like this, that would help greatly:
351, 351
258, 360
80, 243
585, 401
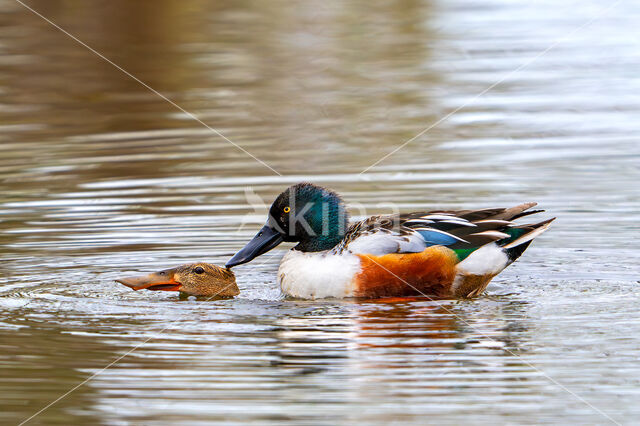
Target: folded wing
461, 230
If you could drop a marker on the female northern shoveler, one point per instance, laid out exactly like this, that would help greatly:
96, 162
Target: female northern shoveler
437, 253
196, 279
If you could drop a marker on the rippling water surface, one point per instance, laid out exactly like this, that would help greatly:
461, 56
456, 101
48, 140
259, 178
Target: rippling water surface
99, 176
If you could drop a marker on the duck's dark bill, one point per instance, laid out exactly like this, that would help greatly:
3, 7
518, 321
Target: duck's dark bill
155, 282
266, 239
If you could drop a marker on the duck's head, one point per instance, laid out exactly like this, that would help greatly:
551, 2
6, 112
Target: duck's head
312, 216
197, 279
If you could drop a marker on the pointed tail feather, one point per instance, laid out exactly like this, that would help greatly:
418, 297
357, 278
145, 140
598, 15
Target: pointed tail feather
515, 247
513, 212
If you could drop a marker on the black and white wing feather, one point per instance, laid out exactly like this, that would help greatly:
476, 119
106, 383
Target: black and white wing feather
413, 232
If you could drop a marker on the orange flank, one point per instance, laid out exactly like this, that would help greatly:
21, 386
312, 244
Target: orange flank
431, 272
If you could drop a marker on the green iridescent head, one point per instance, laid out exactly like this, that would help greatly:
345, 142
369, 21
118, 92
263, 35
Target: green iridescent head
312, 216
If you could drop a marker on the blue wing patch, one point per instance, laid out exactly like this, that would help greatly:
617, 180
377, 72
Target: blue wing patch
434, 237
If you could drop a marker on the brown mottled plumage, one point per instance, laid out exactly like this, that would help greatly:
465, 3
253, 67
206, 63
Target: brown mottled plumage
197, 279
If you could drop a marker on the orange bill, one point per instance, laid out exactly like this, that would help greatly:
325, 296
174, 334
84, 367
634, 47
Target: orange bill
159, 281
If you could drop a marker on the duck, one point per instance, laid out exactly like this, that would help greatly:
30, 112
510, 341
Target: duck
193, 279
440, 253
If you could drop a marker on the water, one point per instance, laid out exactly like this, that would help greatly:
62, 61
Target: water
100, 177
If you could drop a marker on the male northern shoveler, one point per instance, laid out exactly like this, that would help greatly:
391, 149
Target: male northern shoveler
437, 253
196, 279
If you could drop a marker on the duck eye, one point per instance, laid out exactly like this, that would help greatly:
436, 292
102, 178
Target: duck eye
287, 209
199, 270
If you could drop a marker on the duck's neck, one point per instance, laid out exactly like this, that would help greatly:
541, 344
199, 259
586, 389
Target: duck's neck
320, 243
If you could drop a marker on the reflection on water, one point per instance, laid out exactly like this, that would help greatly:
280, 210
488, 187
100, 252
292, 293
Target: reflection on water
99, 176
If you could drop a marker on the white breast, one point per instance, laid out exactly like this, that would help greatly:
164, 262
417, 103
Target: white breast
318, 275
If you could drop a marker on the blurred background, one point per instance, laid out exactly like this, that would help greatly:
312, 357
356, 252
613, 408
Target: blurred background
99, 176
